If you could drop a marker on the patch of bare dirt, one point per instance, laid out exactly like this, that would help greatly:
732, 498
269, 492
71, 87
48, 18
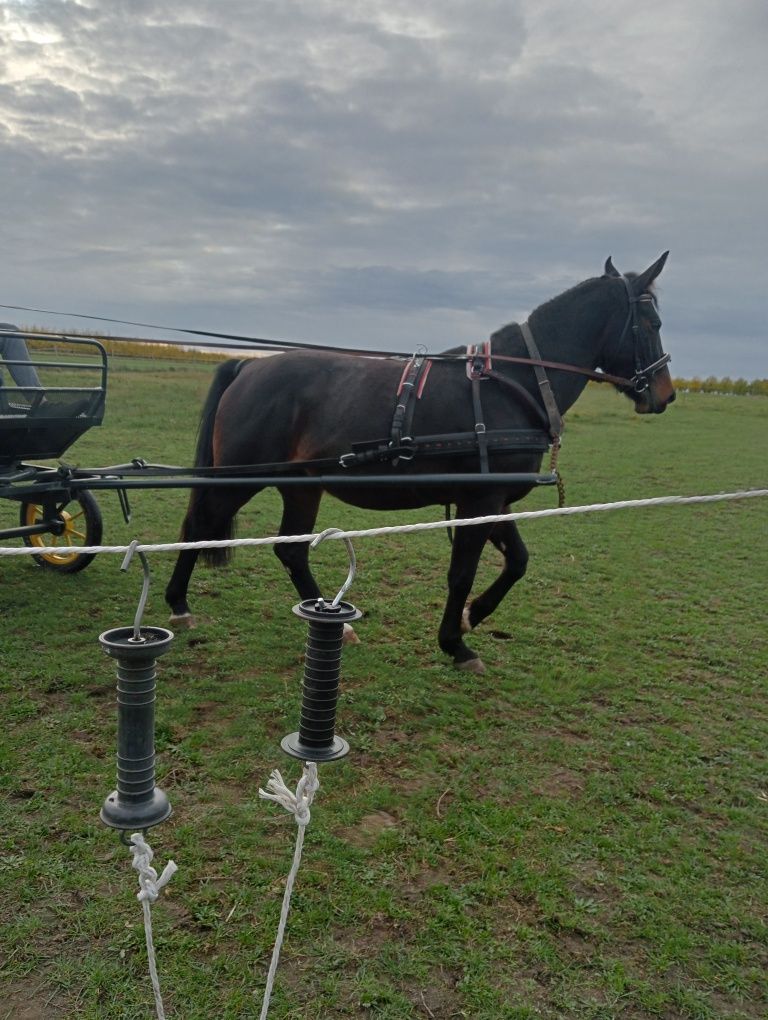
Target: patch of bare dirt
560, 782
365, 833
31, 999
438, 998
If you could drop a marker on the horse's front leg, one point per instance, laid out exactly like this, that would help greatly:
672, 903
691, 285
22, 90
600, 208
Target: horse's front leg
468, 543
507, 540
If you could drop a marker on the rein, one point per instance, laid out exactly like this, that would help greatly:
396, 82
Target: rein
259, 343
617, 380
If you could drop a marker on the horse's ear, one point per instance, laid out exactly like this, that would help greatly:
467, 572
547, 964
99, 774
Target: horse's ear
610, 269
642, 282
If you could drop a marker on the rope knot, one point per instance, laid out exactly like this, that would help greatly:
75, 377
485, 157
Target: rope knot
148, 879
298, 803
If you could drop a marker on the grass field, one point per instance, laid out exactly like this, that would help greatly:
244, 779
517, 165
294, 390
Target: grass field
580, 833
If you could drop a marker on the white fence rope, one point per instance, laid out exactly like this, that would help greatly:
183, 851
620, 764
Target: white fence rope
396, 529
298, 804
150, 890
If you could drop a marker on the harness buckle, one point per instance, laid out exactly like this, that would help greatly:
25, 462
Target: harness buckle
405, 449
478, 360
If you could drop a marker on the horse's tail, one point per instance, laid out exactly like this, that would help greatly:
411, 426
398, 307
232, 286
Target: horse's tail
224, 376
196, 526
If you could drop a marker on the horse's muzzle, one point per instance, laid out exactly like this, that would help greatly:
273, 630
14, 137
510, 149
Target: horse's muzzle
657, 398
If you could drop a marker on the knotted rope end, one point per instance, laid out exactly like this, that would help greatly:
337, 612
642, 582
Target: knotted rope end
149, 881
297, 803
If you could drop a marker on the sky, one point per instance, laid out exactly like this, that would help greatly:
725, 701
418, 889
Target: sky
385, 173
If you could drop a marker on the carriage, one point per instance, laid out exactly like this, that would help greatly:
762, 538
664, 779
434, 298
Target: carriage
56, 507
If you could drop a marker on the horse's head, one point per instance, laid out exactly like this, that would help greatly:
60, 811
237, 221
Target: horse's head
634, 351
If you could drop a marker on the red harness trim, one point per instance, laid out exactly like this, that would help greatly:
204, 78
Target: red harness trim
404, 376
425, 372
422, 380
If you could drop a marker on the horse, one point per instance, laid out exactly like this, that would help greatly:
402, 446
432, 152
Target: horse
311, 407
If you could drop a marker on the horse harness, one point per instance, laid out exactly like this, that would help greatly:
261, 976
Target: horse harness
403, 446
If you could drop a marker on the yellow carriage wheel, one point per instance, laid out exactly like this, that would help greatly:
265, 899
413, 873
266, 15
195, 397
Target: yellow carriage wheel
77, 523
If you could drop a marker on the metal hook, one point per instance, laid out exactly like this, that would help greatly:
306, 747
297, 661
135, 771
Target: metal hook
144, 587
352, 560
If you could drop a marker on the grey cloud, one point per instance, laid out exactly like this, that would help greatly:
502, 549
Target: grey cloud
402, 290
332, 168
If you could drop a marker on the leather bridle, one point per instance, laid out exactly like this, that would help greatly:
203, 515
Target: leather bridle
639, 383
641, 380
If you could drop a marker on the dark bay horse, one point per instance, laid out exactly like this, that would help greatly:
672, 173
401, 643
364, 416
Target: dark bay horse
306, 405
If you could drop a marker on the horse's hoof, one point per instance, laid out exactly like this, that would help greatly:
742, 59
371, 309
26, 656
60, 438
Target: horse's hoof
466, 626
349, 637
471, 666
182, 621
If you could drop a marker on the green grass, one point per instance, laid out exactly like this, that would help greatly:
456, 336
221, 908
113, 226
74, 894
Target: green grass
579, 833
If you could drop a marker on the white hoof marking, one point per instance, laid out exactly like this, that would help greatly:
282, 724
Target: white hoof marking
349, 637
184, 621
466, 626
471, 666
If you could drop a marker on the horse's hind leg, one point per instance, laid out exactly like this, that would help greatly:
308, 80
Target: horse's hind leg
507, 540
299, 516
178, 586
210, 516
468, 543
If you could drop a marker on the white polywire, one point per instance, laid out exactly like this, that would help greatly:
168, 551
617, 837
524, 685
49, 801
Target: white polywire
396, 529
298, 804
150, 890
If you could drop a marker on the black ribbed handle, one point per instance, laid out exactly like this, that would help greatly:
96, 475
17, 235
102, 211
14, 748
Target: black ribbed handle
136, 803
316, 738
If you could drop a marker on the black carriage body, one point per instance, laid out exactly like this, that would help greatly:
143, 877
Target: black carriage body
44, 421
